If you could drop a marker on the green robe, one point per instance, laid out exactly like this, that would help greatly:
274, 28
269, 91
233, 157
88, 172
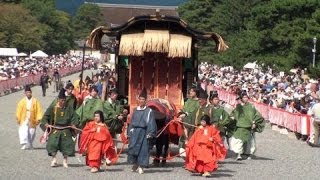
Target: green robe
111, 119
190, 108
60, 140
245, 115
86, 111
221, 119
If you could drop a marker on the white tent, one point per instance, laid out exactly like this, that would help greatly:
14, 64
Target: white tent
8, 52
39, 53
22, 54
250, 66
294, 70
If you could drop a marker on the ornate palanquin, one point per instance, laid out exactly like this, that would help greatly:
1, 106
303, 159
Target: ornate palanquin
157, 49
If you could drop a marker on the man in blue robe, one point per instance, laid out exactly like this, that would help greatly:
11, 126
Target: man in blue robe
142, 129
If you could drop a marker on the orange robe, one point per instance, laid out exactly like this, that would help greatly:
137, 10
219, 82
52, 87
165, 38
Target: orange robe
204, 150
96, 142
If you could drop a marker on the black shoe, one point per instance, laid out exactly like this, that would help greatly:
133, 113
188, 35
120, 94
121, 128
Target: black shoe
311, 144
163, 163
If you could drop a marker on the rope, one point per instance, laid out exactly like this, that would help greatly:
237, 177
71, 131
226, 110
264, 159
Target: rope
66, 127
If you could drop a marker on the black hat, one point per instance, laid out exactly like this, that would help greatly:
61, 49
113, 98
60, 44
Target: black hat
93, 88
206, 118
114, 90
62, 94
27, 88
243, 93
143, 93
202, 94
69, 85
213, 94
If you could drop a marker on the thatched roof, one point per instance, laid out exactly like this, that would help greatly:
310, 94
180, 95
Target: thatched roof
171, 35
175, 45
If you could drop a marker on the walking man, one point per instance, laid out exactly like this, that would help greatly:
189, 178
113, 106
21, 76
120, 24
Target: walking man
44, 80
28, 114
248, 122
141, 130
59, 118
56, 79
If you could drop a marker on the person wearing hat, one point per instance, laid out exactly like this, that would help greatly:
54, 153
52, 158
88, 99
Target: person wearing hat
248, 122
205, 148
44, 80
141, 130
203, 109
56, 79
71, 100
58, 117
28, 115
187, 114
220, 117
90, 104
115, 114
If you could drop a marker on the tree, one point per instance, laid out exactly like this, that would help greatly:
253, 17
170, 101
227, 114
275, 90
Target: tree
272, 32
86, 19
19, 29
56, 24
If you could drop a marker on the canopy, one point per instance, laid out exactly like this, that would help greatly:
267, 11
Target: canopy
293, 70
250, 66
8, 52
22, 54
39, 53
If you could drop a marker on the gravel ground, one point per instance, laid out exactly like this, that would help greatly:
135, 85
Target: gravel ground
278, 157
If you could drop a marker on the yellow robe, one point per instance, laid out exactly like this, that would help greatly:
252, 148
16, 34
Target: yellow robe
36, 112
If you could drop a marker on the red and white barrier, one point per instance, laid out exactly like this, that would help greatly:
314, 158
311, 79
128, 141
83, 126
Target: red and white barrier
9, 84
293, 121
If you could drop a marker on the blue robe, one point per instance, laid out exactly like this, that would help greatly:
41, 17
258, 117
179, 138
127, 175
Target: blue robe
142, 125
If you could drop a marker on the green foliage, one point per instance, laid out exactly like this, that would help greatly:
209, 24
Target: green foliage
86, 19
274, 33
30, 25
56, 24
19, 29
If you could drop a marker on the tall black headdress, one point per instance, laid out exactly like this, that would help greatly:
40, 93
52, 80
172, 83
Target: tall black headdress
213, 94
143, 93
62, 94
27, 88
202, 94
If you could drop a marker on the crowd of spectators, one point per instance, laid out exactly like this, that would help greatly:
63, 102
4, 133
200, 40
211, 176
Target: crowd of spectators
11, 68
294, 92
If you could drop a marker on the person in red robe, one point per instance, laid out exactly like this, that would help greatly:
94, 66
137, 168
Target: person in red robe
204, 149
96, 142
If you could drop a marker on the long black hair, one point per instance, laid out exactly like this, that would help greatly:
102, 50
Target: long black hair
100, 114
206, 118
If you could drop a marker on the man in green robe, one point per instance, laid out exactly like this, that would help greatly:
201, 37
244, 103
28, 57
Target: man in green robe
115, 116
57, 117
91, 104
188, 113
220, 117
248, 121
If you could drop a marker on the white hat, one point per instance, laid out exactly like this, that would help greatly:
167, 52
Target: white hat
313, 81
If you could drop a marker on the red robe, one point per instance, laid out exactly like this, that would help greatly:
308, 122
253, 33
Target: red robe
96, 142
204, 150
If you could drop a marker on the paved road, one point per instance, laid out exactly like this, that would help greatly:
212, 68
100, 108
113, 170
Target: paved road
278, 157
